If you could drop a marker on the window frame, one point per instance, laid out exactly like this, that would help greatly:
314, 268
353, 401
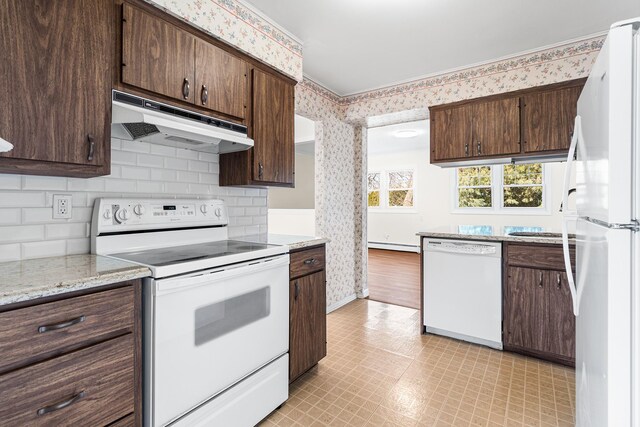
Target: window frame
379, 189
497, 195
384, 191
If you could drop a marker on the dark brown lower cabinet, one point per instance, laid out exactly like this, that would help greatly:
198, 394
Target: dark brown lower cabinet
307, 313
73, 359
538, 315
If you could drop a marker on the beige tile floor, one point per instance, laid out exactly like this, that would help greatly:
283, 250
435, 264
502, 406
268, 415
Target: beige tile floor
380, 371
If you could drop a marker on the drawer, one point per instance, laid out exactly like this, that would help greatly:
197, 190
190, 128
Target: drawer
306, 261
89, 387
35, 333
546, 257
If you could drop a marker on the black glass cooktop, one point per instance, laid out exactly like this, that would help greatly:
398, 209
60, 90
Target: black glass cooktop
178, 254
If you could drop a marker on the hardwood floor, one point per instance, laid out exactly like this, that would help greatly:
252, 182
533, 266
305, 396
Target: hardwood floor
394, 277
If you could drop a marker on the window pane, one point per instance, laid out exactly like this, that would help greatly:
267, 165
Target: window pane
401, 198
374, 198
402, 179
373, 181
474, 176
522, 174
474, 197
523, 197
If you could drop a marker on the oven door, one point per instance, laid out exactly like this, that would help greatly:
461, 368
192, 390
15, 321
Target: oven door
206, 331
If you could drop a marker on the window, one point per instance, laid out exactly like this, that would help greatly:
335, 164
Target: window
391, 189
522, 186
474, 187
506, 188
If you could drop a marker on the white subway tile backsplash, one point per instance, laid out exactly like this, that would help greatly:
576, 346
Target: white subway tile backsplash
10, 252
122, 158
10, 216
44, 249
138, 170
66, 231
10, 182
150, 160
136, 146
21, 233
78, 246
131, 172
32, 182
21, 199
120, 185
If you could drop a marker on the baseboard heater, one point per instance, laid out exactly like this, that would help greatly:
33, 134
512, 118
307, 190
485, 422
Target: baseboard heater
394, 247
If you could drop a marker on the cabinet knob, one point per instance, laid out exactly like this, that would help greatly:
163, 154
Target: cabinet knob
479, 147
558, 280
204, 95
466, 149
185, 88
92, 147
260, 170
296, 290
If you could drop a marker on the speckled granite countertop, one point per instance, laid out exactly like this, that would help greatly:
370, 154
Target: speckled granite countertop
42, 277
494, 234
294, 242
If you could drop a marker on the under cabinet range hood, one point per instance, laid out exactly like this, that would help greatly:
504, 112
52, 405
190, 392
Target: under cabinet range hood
139, 119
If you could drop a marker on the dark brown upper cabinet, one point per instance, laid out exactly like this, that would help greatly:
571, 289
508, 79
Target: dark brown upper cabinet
157, 56
547, 119
496, 127
55, 83
221, 80
271, 160
531, 122
453, 128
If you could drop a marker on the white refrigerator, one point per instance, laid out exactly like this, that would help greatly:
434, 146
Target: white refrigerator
605, 288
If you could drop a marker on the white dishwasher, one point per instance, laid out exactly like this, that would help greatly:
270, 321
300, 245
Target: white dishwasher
463, 290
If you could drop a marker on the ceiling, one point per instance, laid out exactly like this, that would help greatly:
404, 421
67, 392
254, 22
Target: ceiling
383, 140
355, 45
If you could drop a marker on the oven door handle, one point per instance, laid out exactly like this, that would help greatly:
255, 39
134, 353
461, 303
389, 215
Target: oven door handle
218, 275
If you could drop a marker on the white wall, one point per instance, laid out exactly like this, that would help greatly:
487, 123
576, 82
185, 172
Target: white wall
302, 196
27, 229
299, 222
433, 198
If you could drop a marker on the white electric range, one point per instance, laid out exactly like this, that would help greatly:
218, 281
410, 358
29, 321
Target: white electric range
215, 313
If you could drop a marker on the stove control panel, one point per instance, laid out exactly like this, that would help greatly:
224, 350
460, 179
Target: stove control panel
118, 215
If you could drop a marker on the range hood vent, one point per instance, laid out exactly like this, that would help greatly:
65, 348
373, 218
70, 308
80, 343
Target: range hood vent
140, 119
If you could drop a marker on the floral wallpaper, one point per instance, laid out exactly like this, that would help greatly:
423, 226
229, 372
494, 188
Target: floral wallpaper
241, 26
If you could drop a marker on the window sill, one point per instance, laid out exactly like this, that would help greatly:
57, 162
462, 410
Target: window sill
503, 211
394, 211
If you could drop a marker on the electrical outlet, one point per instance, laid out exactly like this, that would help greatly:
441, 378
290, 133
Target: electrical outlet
62, 206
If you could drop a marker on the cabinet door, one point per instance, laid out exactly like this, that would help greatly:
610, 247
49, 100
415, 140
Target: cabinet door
307, 320
55, 80
547, 119
525, 308
221, 80
451, 133
561, 329
496, 127
157, 56
273, 115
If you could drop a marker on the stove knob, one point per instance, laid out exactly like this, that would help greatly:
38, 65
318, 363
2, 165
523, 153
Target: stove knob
107, 214
218, 212
203, 209
138, 209
123, 215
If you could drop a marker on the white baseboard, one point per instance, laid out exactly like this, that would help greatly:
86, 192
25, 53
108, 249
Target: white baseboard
344, 301
394, 247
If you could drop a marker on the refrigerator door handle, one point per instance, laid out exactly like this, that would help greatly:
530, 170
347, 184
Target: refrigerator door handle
577, 133
567, 265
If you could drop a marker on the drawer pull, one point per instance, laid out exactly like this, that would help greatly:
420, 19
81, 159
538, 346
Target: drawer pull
296, 291
62, 325
558, 281
310, 261
92, 147
540, 281
52, 408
